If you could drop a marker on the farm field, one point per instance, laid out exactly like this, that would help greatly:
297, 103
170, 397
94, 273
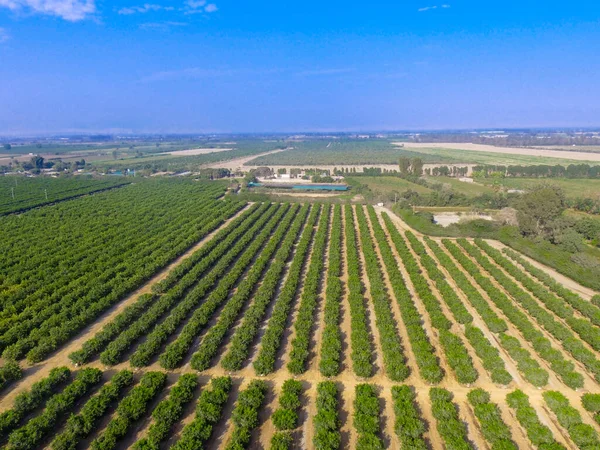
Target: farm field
571, 187
31, 192
388, 184
288, 325
470, 189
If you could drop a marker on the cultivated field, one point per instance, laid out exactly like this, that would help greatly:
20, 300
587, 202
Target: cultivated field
280, 325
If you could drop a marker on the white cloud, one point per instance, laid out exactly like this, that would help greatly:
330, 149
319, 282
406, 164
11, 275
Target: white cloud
146, 7
199, 7
211, 7
191, 73
323, 72
162, 26
429, 8
4, 36
72, 10
195, 4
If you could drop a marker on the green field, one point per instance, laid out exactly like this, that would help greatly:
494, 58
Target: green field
470, 189
345, 152
476, 157
571, 187
386, 185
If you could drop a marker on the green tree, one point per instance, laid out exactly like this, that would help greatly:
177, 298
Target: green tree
7, 146
404, 166
538, 208
416, 165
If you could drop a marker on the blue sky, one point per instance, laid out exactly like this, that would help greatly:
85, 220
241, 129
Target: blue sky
258, 66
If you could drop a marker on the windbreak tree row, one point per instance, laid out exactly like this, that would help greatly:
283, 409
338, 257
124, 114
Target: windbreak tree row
308, 301
209, 346
245, 334
360, 339
391, 345
272, 339
424, 352
564, 368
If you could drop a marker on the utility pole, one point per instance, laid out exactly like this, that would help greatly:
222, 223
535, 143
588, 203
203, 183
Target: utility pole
12, 191
46, 192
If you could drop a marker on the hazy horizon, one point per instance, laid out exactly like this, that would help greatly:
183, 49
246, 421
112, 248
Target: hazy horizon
218, 66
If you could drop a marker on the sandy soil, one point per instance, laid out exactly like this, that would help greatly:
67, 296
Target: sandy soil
196, 151
238, 163
580, 156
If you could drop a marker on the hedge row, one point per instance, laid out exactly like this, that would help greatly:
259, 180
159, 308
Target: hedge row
245, 334
451, 428
424, 352
366, 417
489, 355
586, 308
391, 344
327, 421
527, 365
456, 353
408, 425
583, 435
591, 403
538, 433
176, 351
168, 412
588, 331
80, 426
9, 372
130, 409
58, 406
491, 319
495, 431
448, 294
542, 345
308, 301
271, 339
285, 418
331, 345
212, 340
209, 410
179, 308
360, 340
245, 414
188, 267
27, 402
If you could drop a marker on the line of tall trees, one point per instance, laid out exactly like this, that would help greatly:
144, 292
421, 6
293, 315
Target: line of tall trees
539, 171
